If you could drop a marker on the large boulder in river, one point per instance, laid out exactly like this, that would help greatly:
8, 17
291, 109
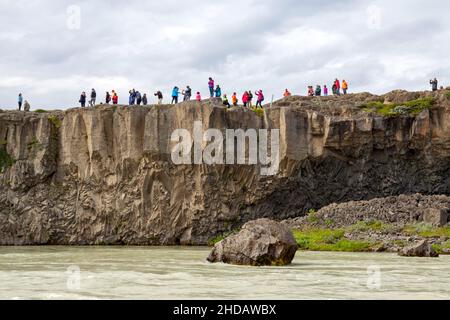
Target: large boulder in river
421, 249
259, 243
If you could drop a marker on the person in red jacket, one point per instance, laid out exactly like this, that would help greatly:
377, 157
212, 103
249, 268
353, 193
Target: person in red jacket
338, 87
115, 97
245, 98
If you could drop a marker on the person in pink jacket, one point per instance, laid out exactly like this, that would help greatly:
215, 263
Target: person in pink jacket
260, 99
245, 98
198, 97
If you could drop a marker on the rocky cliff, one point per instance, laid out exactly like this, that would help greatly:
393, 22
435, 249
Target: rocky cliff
105, 176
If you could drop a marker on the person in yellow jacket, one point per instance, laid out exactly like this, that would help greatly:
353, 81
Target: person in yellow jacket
344, 86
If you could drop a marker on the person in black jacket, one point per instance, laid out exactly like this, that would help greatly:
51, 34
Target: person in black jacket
108, 98
144, 99
83, 99
93, 98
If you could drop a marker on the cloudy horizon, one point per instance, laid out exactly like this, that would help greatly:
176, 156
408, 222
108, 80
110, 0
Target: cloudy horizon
51, 56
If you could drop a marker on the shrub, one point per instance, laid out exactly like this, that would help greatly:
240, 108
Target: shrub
55, 121
391, 109
259, 112
41, 111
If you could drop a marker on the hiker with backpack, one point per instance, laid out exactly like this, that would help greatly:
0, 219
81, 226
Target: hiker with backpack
344, 86
93, 98
83, 99
260, 98
245, 99
338, 87
286, 93
187, 94
250, 99
234, 99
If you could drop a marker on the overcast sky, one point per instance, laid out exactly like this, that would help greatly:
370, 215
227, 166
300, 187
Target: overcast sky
50, 55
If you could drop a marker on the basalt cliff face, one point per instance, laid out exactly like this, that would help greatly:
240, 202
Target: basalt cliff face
105, 175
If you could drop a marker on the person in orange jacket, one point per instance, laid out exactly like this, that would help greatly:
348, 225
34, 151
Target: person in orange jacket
287, 93
344, 86
234, 99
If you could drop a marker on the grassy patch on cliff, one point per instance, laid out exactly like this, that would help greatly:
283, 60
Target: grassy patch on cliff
41, 111
413, 107
427, 231
259, 112
316, 239
6, 160
447, 94
55, 121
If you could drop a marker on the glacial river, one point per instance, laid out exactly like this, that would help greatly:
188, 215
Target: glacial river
183, 273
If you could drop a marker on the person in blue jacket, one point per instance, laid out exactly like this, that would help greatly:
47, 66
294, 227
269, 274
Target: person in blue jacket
218, 92
20, 101
175, 94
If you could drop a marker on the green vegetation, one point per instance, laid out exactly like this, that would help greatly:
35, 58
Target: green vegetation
217, 239
447, 94
443, 248
372, 225
313, 217
41, 111
55, 121
427, 231
259, 112
395, 109
32, 144
6, 160
316, 239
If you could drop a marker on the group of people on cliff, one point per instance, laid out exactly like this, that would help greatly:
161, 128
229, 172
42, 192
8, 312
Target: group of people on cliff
215, 91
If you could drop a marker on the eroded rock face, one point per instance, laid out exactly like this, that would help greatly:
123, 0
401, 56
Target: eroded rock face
421, 249
260, 243
104, 175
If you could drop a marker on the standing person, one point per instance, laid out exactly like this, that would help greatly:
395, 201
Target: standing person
250, 99
187, 93
175, 94
234, 99
159, 95
115, 97
83, 99
325, 90
260, 99
245, 98
211, 87
344, 86
310, 91
107, 98
338, 87
144, 99
318, 91
334, 89
286, 93
434, 84
218, 91
225, 101
19, 101
138, 98
130, 98
198, 97
93, 98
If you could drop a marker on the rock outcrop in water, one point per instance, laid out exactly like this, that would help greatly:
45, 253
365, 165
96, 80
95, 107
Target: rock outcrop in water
104, 175
422, 249
260, 243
